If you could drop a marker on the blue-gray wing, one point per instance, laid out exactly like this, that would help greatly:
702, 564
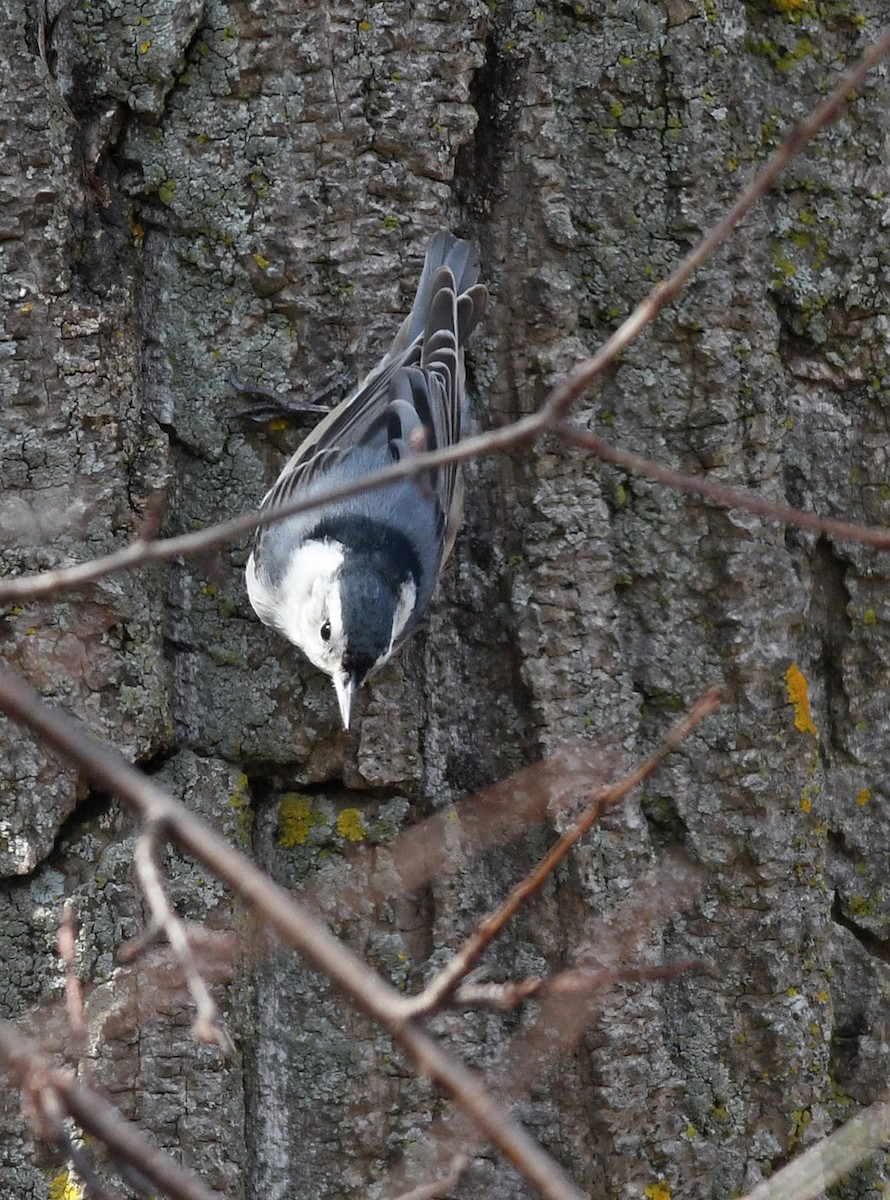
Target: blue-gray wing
414, 400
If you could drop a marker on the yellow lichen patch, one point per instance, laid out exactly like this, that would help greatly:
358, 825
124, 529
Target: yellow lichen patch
239, 799
861, 906
64, 1187
657, 1191
295, 819
806, 804
799, 697
351, 826
862, 797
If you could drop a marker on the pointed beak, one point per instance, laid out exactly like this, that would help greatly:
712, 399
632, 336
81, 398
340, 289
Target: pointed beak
345, 689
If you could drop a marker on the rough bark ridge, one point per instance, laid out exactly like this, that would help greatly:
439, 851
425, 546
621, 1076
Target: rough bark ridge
191, 188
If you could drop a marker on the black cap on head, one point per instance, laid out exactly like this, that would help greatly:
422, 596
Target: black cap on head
368, 606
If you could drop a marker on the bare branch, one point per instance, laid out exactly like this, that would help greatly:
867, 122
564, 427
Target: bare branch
296, 926
824, 1164
51, 1092
566, 1009
206, 1027
67, 941
440, 988
527, 430
503, 996
31, 587
726, 497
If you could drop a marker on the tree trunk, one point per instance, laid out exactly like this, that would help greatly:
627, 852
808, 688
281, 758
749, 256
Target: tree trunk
191, 190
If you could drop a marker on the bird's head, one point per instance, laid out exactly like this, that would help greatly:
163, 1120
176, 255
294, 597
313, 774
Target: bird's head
348, 617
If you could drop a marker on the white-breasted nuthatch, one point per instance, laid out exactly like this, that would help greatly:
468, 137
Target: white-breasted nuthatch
348, 582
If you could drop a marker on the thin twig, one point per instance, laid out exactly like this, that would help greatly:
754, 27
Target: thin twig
52, 1092
67, 941
718, 493
296, 926
527, 430
503, 996
564, 1013
206, 1027
31, 587
443, 984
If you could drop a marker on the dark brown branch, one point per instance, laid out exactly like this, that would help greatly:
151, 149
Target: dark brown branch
725, 497
463, 961
296, 926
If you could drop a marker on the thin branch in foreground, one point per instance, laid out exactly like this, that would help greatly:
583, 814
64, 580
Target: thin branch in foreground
67, 941
500, 815
206, 1027
833, 1157
52, 1093
718, 493
564, 1014
527, 430
565, 1010
442, 985
296, 926
501, 997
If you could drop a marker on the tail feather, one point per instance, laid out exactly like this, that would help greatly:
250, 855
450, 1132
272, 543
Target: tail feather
462, 259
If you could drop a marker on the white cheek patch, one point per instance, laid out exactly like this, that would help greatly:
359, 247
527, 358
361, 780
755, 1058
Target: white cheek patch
309, 595
335, 612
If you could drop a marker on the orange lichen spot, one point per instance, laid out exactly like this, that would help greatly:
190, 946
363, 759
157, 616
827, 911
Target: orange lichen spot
862, 797
145, 46
806, 804
799, 697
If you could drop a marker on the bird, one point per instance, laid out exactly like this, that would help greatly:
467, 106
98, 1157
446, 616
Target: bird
348, 582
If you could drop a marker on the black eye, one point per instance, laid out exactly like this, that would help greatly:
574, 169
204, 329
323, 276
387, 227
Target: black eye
325, 631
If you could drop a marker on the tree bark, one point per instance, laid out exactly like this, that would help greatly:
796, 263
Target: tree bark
195, 189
